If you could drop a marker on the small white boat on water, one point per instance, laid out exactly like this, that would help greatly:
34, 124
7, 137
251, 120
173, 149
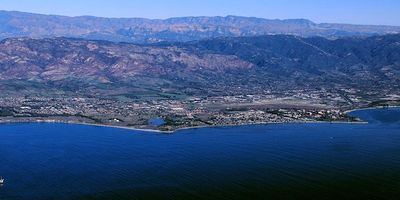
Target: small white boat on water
1, 180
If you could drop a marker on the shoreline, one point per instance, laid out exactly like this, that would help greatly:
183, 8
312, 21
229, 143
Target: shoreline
10, 121
178, 129
85, 124
271, 123
370, 108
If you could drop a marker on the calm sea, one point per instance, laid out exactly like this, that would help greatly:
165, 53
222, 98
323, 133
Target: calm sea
283, 161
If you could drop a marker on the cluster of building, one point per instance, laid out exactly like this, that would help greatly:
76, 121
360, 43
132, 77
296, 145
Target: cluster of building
193, 111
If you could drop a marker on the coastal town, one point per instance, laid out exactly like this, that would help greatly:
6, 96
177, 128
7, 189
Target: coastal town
181, 113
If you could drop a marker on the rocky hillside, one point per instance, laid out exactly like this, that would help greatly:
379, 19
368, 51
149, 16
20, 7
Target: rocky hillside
241, 65
138, 30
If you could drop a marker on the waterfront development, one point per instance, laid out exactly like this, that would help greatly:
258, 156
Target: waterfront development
306, 106
276, 161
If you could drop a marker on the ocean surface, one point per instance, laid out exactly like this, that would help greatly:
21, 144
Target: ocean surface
281, 161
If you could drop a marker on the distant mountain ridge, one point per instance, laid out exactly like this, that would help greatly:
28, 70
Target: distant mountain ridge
140, 30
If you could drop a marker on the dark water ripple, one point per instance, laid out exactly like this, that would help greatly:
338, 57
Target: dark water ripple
282, 161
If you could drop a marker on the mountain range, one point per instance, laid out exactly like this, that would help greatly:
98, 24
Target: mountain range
183, 29
220, 66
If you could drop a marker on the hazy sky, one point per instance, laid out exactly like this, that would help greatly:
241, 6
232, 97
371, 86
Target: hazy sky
341, 11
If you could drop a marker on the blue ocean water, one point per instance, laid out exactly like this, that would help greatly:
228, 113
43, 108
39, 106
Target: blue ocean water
282, 161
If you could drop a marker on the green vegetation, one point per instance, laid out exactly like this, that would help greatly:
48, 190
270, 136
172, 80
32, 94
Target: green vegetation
384, 103
4, 112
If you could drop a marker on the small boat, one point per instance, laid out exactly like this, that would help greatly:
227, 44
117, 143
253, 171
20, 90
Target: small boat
1, 180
